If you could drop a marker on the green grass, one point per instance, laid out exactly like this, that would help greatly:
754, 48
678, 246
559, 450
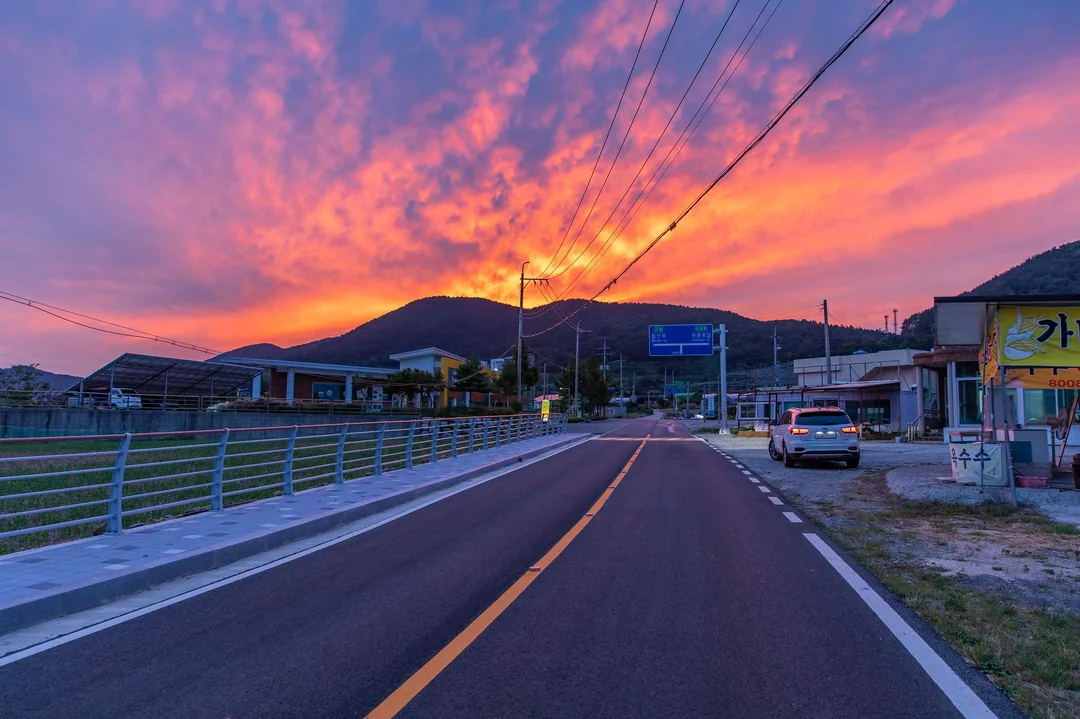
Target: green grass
1032, 653
313, 466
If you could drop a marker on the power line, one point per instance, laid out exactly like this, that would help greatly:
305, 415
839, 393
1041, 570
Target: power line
138, 334
663, 132
622, 144
680, 143
762, 134
607, 134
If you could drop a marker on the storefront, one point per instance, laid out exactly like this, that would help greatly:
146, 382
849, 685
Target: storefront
1007, 371
952, 388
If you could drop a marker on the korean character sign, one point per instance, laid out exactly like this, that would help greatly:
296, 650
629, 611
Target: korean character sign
970, 460
1039, 336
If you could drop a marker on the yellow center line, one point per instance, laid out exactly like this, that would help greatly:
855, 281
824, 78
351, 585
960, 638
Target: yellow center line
427, 673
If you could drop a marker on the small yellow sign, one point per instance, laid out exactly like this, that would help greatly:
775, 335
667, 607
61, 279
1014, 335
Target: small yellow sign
545, 409
1039, 336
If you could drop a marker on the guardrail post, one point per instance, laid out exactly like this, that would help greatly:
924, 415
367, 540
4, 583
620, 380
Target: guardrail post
286, 472
409, 445
453, 438
217, 502
339, 458
472, 435
512, 431
498, 432
487, 425
116, 492
377, 467
435, 440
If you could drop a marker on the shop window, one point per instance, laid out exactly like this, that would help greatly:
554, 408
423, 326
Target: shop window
1040, 405
968, 369
1065, 398
872, 411
327, 390
969, 396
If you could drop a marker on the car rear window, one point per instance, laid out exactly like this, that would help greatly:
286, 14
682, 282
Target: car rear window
818, 419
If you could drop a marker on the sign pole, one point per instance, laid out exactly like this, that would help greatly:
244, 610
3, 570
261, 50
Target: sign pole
723, 380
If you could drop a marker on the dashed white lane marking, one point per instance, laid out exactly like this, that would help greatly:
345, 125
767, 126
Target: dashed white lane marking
755, 480
738, 465
764, 488
775, 500
746, 472
960, 694
792, 517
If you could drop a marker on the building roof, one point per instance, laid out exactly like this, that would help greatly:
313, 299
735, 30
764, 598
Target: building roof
411, 354
150, 375
313, 367
1011, 299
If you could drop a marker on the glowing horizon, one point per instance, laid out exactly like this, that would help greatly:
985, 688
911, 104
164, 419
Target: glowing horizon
259, 171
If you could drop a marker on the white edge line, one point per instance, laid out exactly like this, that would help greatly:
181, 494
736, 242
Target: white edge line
966, 701
136, 613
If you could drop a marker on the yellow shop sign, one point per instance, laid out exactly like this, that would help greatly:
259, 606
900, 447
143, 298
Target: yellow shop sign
1039, 336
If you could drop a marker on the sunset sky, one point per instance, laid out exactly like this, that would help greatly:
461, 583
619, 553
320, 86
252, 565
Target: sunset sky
237, 171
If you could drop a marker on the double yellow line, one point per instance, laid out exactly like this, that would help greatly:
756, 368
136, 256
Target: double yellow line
427, 673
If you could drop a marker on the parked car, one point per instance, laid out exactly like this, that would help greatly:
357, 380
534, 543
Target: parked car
815, 433
124, 399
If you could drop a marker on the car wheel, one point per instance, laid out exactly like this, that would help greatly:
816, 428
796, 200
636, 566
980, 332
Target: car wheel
789, 460
853, 463
772, 451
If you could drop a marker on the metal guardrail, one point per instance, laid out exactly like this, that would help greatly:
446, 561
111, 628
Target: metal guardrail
108, 482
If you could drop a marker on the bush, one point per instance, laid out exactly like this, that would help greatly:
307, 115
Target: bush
474, 411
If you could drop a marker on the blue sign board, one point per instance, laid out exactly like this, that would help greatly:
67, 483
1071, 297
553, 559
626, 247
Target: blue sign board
680, 340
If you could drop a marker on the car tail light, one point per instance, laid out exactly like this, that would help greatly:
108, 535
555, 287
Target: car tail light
798, 430
850, 430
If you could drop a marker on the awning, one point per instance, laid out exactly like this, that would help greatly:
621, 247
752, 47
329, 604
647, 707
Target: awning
150, 375
855, 386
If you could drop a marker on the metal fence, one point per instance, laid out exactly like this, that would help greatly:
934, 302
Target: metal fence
54, 489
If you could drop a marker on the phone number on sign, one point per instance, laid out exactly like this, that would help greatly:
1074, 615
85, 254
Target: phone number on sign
1064, 384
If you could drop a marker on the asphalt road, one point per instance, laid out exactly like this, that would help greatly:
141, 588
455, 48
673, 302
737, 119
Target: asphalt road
687, 595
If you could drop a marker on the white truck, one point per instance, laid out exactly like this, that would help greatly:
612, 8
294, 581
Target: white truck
124, 399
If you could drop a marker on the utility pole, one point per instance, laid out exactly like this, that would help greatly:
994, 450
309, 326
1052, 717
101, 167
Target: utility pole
621, 360
886, 323
775, 357
521, 321
895, 329
545, 380
577, 368
604, 368
828, 350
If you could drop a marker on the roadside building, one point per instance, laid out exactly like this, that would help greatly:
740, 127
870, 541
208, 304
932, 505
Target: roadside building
1040, 356
316, 381
878, 390
433, 360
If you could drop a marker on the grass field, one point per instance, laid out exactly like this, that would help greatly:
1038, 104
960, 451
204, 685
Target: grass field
166, 478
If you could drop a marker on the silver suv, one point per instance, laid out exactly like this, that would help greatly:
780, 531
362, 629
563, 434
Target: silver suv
814, 433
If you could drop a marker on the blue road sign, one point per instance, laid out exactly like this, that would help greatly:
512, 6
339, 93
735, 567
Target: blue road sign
680, 340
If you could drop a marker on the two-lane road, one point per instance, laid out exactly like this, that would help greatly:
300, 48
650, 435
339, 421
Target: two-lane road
687, 593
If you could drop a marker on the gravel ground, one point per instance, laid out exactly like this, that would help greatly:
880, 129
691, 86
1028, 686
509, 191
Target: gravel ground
826, 481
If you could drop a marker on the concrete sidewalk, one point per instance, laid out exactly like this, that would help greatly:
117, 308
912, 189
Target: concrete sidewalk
51, 582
